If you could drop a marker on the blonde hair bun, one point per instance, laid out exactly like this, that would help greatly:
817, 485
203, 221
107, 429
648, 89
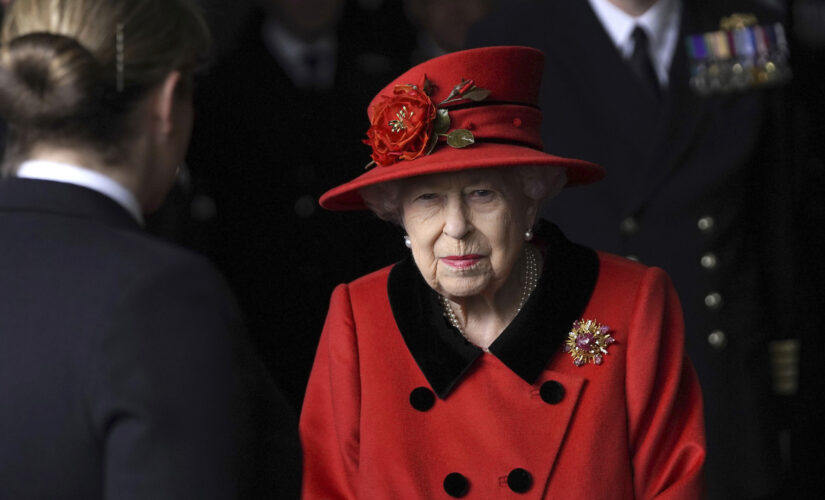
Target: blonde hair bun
73, 72
48, 81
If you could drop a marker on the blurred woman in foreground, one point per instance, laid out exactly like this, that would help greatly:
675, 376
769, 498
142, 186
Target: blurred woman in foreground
123, 371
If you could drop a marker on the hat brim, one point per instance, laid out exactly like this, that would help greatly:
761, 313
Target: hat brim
484, 155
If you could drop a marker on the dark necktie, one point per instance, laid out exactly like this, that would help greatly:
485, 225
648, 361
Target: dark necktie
640, 62
310, 60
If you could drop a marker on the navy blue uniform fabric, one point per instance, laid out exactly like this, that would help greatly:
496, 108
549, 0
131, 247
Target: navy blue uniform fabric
124, 373
669, 165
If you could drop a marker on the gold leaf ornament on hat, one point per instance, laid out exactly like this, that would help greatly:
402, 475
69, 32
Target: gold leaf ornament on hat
460, 138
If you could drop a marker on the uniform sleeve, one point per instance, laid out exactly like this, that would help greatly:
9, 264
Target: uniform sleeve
666, 425
178, 396
329, 424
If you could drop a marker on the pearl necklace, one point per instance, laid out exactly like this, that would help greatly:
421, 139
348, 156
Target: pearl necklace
531, 279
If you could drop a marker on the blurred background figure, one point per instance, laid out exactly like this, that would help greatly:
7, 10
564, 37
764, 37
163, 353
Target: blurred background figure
281, 119
699, 182
125, 372
805, 409
443, 24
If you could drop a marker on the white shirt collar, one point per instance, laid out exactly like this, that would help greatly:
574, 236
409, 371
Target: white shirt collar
660, 22
79, 176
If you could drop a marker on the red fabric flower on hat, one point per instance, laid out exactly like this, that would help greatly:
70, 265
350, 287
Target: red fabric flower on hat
408, 125
402, 126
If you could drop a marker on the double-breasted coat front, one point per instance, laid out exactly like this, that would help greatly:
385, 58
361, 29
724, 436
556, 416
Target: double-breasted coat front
399, 405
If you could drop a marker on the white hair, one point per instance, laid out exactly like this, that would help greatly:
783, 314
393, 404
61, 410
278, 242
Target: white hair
384, 200
539, 183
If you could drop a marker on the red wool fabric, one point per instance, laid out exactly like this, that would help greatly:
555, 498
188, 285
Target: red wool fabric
630, 428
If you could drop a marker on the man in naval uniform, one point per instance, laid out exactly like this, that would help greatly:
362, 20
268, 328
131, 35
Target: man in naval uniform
695, 185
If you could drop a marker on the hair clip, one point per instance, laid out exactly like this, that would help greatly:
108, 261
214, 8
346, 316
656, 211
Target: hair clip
119, 58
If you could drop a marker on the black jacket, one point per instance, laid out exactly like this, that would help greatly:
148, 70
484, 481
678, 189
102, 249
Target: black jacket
123, 370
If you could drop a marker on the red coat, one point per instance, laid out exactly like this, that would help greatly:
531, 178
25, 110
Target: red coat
520, 422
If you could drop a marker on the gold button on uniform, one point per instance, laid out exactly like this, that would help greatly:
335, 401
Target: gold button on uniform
706, 224
203, 208
717, 339
709, 261
305, 205
713, 300
629, 225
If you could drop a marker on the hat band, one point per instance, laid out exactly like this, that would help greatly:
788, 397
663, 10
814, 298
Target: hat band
508, 142
481, 104
503, 123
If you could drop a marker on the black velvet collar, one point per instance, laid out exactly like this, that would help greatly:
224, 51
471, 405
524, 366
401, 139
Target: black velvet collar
526, 345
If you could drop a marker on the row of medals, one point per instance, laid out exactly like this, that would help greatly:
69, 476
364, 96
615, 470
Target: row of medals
740, 55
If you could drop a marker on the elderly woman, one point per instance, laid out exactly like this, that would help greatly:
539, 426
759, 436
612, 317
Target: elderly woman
500, 360
123, 370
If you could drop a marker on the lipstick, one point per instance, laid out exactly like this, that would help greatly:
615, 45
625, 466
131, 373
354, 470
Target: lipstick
461, 261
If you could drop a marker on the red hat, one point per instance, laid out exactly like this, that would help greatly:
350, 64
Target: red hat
471, 109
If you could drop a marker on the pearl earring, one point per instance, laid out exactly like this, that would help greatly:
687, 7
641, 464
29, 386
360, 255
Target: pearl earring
528, 235
407, 242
